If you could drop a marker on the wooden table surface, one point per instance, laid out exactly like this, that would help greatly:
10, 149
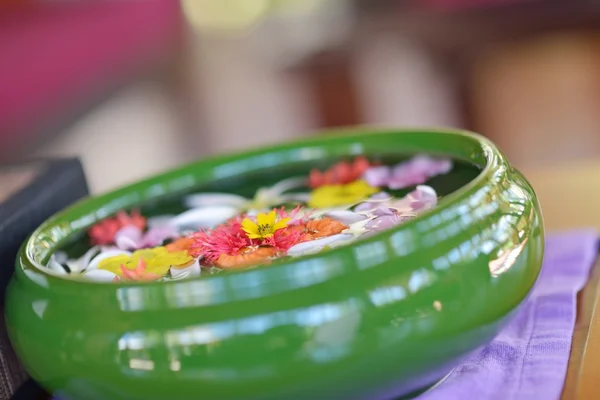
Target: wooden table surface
569, 196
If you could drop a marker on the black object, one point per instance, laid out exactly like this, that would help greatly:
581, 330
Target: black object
42, 188
30, 390
55, 185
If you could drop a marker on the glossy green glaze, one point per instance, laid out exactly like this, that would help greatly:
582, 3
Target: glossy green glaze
379, 318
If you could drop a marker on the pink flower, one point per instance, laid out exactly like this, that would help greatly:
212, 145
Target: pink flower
415, 171
132, 238
104, 231
224, 239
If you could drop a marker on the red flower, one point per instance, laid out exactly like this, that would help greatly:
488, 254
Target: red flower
341, 173
224, 239
285, 238
104, 231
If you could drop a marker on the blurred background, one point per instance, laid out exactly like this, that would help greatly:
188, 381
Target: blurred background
135, 87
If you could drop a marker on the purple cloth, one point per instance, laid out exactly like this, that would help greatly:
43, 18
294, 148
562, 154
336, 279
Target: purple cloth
528, 359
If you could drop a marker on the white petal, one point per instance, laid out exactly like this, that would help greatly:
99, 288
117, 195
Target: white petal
200, 200
359, 228
316, 213
192, 270
81, 263
55, 266
346, 217
125, 242
203, 218
99, 275
314, 246
159, 221
110, 253
287, 184
61, 257
87, 257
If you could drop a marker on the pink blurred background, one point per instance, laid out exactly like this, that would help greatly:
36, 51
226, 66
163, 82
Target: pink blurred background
135, 87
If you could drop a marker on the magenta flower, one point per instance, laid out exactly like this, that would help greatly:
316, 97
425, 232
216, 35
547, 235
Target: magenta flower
415, 171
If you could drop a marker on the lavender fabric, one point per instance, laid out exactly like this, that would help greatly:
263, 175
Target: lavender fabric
528, 359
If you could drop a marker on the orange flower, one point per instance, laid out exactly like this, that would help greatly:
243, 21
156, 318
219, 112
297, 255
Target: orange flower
341, 173
104, 231
181, 244
318, 228
250, 255
139, 273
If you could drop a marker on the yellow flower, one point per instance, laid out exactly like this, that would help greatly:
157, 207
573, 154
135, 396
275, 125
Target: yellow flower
338, 195
158, 260
265, 225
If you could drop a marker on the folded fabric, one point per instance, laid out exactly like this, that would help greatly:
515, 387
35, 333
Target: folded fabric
528, 359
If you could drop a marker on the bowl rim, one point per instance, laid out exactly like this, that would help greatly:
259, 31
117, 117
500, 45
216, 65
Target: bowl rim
27, 267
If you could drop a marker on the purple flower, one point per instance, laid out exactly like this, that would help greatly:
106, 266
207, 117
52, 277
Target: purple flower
386, 212
132, 238
421, 199
415, 171
374, 201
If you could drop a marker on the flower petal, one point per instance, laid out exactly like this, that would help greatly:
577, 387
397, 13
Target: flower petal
128, 237
346, 217
314, 246
190, 271
55, 266
377, 176
105, 254
156, 236
421, 199
61, 256
204, 218
99, 275
250, 227
282, 223
201, 200
82, 262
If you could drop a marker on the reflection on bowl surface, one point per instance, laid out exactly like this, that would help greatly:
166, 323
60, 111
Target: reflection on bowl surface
380, 317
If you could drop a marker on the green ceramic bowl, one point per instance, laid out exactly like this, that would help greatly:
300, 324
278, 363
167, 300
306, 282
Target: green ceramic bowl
383, 317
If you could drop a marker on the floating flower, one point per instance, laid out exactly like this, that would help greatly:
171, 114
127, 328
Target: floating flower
323, 227
224, 239
132, 238
383, 212
265, 226
104, 231
421, 199
415, 171
229, 247
207, 210
248, 256
157, 261
317, 245
341, 173
139, 273
181, 244
338, 195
